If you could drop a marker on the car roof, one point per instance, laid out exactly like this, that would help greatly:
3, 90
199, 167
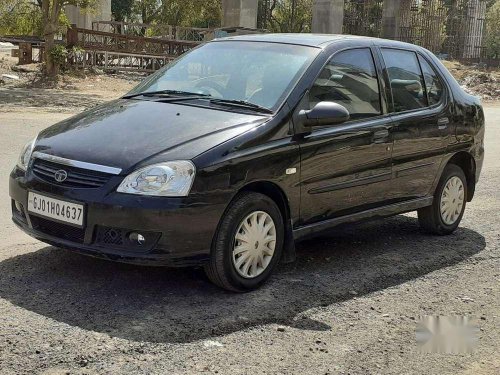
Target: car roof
311, 40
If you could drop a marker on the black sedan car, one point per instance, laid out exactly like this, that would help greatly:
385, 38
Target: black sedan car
227, 156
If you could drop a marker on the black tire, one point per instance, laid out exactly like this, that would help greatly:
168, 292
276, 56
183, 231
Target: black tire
430, 218
220, 269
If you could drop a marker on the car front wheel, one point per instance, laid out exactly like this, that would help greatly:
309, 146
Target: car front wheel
248, 243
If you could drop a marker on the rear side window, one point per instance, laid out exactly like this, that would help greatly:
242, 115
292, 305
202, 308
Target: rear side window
432, 82
349, 79
405, 76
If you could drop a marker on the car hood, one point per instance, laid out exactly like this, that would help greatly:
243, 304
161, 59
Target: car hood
125, 132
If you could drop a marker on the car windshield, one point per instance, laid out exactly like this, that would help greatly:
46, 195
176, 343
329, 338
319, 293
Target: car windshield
253, 72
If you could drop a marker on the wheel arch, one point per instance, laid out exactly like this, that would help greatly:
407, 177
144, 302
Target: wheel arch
467, 163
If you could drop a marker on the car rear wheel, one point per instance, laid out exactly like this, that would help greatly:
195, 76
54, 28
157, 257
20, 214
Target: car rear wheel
448, 207
248, 243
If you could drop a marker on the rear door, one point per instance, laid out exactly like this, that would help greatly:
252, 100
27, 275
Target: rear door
347, 167
420, 113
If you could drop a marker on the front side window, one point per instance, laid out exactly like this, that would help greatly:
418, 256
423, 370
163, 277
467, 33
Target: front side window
432, 82
406, 81
349, 79
256, 72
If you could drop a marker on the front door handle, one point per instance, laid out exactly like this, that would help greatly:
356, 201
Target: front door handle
443, 123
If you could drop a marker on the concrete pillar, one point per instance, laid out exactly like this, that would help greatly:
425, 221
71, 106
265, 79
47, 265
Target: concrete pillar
473, 27
239, 13
391, 19
328, 16
83, 19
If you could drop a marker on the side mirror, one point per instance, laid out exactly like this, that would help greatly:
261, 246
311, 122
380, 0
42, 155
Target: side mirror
324, 113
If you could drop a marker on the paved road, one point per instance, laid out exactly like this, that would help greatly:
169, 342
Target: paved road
348, 305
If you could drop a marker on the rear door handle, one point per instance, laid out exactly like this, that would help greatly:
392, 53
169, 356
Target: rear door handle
443, 122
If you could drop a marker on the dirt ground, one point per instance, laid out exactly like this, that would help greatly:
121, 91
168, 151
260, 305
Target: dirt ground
70, 93
348, 305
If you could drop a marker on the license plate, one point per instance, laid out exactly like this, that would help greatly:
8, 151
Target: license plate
56, 209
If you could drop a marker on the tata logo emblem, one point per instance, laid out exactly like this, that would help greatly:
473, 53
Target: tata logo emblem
60, 175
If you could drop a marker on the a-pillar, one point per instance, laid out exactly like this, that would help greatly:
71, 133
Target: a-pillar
239, 13
328, 16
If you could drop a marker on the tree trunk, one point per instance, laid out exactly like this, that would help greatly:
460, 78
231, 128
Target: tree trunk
51, 68
50, 18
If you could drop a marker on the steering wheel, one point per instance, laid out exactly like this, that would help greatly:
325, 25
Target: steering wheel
211, 88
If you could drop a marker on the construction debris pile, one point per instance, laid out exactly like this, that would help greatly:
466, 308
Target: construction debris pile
477, 79
483, 84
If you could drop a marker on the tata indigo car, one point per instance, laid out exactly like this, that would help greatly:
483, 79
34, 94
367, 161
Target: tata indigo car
227, 156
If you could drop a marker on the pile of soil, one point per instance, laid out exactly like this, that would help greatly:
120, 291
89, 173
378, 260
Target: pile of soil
477, 79
483, 84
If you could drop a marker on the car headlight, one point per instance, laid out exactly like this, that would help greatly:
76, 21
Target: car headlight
25, 156
169, 179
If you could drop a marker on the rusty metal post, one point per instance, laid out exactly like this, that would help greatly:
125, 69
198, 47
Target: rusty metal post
72, 36
25, 53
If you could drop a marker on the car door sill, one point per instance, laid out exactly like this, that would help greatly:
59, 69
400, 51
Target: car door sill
379, 212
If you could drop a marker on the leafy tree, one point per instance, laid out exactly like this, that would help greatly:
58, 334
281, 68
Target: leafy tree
20, 17
193, 13
284, 16
148, 10
52, 21
492, 38
121, 9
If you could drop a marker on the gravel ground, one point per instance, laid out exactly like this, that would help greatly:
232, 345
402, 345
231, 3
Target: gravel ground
70, 93
347, 306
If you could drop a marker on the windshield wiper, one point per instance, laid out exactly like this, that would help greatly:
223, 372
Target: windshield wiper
173, 94
241, 104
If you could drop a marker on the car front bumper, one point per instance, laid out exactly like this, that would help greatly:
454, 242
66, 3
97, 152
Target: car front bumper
177, 231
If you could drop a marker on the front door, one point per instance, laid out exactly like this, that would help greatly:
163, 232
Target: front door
347, 167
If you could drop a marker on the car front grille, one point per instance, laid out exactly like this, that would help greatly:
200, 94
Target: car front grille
58, 230
76, 177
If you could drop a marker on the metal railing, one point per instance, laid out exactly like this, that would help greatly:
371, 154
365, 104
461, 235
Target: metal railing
157, 30
118, 61
111, 42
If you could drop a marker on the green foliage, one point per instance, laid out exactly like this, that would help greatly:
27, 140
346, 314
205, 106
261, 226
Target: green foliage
121, 9
286, 16
492, 37
20, 17
147, 10
59, 53
193, 13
